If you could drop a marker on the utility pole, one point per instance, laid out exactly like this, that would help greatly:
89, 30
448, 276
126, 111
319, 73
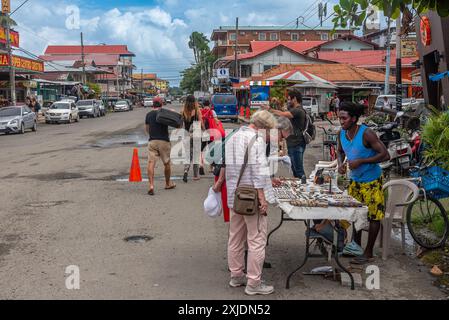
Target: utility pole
82, 59
398, 65
141, 81
387, 71
236, 72
12, 70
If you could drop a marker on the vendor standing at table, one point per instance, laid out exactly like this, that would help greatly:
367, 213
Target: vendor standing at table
364, 151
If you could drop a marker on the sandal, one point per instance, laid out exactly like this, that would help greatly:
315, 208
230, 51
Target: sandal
151, 192
171, 186
361, 260
184, 178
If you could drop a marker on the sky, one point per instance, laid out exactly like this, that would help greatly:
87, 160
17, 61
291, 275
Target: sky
157, 31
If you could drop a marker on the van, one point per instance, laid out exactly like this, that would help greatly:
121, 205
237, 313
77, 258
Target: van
310, 104
225, 106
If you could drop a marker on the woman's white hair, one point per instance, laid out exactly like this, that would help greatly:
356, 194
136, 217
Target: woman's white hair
284, 123
263, 120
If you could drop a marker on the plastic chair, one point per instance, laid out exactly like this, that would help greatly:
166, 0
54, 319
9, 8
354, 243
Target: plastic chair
400, 193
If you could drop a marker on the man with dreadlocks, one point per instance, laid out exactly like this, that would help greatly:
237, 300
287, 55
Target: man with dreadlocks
363, 151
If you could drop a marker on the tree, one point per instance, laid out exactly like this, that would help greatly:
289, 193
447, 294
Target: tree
204, 59
353, 13
191, 79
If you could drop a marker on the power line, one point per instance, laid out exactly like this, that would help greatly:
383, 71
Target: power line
19, 7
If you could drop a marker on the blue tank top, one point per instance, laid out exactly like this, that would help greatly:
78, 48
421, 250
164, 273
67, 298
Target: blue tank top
354, 150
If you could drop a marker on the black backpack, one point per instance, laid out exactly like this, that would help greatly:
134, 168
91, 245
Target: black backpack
169, 118
310, 131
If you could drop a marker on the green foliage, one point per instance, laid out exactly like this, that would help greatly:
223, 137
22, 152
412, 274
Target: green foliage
5, 20
436, 137
353, 13
278, 91
191, 79
95, 87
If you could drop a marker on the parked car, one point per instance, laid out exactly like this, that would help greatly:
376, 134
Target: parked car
130, 103
168, 100
102, 107
88, 108
69, 98
225, 106
147, 102
62, 111
310, 104
122, 105
17, 119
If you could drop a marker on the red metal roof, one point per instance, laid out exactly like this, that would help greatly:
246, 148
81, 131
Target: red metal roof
89, 49
99, 59
364, 58
259, 47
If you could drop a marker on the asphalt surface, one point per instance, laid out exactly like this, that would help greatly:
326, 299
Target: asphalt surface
61, 205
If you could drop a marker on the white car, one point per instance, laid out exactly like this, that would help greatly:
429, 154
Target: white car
62, 111
122, 105
147, 102
310, 104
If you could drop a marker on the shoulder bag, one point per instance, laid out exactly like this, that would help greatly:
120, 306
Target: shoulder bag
246, 199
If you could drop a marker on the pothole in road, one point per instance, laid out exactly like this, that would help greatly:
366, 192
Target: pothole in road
136, 139
55, 176
138, 239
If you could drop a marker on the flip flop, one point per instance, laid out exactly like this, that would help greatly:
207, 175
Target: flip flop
361, 260
172, 186
151, 192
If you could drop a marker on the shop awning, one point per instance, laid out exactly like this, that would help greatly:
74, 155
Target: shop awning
439, 76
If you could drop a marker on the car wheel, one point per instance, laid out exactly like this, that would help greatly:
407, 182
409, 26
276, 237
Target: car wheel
70, 119
77, 118
22, 129
47, 122
34, 128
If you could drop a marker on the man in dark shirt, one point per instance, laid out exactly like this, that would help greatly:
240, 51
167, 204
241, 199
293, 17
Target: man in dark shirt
295, 142
158, 146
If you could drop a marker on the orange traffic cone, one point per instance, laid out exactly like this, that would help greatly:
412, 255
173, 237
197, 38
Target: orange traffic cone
134, 174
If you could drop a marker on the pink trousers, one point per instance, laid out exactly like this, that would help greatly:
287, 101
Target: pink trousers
253, 230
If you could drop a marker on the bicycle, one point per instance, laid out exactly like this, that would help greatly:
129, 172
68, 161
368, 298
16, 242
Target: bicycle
426, 217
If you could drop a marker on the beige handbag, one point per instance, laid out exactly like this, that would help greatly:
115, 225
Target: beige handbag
246, 199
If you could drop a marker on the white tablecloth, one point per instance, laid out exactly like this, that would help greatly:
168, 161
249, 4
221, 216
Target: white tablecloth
357, 215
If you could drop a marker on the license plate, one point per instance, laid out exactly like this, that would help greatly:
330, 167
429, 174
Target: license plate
403, 160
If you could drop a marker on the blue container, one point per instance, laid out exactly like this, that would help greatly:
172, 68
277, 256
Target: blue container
435, 181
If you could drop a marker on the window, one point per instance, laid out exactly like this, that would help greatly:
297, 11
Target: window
268, 67
262, 36
273, 36
335, 36
279, 51
232, 36
324, 36
295, 36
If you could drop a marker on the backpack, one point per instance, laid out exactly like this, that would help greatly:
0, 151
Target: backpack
169, 118
211, 123
310, 132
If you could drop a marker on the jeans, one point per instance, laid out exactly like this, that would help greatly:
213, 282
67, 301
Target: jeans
296, 154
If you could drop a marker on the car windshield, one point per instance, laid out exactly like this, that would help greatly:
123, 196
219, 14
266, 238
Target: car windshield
306, 102
121, 102
9, 112
60, 106
380, 101
149, 99
224, 100
85, 103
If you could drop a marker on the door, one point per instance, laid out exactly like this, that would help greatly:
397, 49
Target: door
28, 118
314, 107
74, 111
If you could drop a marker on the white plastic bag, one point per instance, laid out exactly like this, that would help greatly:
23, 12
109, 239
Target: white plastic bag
212, 204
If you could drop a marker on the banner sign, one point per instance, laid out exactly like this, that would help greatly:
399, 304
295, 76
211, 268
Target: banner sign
260, 95
6, 6
13, 35
22, 63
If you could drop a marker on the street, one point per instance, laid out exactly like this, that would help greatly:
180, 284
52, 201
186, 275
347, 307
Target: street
64, 202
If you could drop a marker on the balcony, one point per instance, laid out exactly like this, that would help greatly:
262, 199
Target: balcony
220, 42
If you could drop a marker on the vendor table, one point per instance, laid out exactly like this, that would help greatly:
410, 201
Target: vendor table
356, 215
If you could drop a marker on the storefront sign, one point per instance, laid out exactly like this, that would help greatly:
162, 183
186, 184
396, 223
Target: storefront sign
22, 63
408, 48
6, 6
426, 35
13, 35
260, 96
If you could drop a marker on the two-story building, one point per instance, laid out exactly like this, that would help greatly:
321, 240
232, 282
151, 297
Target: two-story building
225, 36
116, 59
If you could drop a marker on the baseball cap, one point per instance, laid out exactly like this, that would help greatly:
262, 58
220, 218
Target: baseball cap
157, 99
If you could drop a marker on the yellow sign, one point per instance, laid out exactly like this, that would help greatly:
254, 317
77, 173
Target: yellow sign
6, 6
13, 36
22, 63
408, 48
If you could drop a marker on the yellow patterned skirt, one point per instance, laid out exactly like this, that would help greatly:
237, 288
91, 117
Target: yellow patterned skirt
370, 194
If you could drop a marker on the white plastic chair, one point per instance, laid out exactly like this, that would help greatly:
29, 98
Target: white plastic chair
400, 193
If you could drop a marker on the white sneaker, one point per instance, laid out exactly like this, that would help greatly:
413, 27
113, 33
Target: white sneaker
237, 282
262, 288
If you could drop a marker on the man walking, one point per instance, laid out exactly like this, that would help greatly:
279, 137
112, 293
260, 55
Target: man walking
296, 144
364, 151
158, 146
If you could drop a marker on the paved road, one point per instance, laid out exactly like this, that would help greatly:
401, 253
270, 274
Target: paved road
61, 205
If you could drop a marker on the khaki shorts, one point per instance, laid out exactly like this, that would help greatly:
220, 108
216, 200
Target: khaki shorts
159, 149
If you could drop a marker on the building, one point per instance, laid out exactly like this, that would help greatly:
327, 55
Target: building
225, 36
150, 83
264, 55
347, 42
115, 59
162, 85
